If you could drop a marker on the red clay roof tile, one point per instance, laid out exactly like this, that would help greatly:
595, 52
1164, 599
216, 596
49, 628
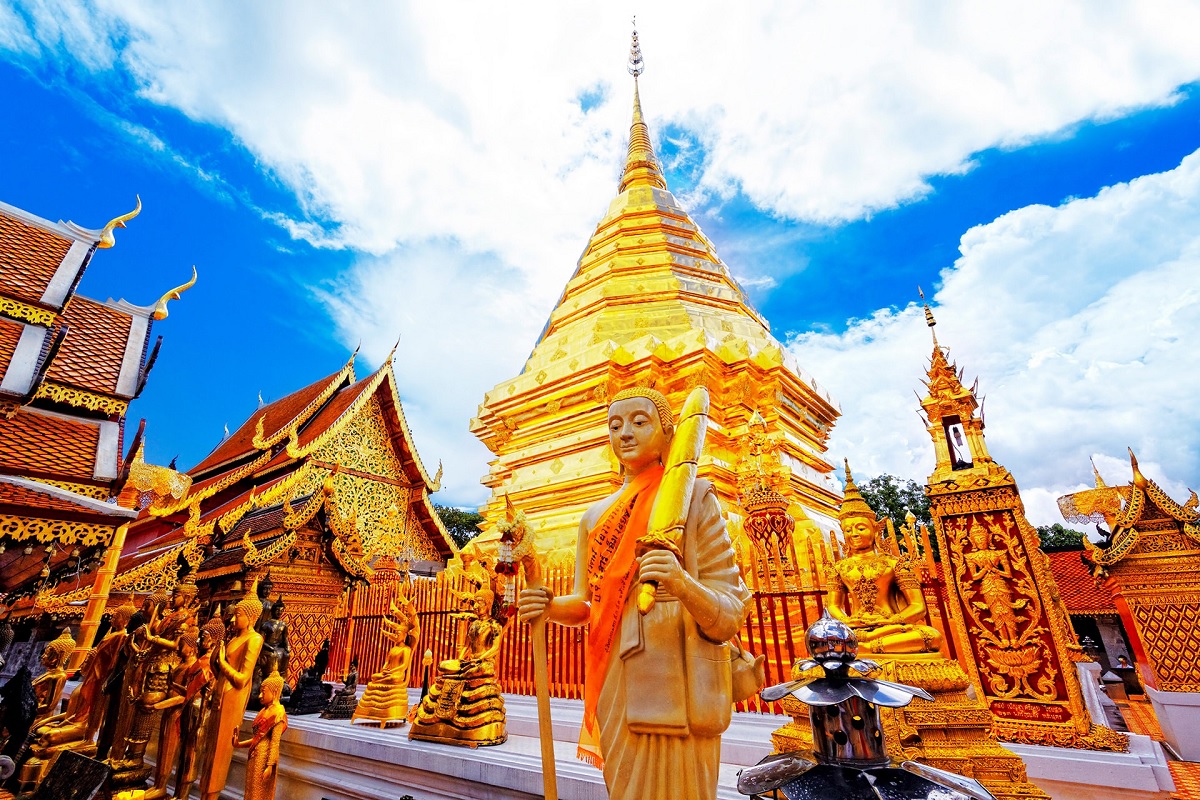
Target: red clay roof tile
91, 355
48, 445
10, 334
1077, 587
276, 416
29, 257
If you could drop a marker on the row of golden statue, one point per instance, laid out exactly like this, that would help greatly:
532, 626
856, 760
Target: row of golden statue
656, 583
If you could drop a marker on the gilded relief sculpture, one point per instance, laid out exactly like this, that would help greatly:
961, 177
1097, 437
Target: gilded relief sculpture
233, 668
385, 700
262, 763
657, 695
876, 594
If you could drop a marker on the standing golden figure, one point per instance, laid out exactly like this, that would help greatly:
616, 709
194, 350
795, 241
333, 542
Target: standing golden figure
233, 667
876, 594
262, 764
658, 692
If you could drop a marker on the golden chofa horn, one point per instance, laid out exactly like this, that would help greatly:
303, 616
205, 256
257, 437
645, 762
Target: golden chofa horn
106, 233
160, 308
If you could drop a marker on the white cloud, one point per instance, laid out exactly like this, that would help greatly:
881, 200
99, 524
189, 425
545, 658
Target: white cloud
1081, 322
446, 142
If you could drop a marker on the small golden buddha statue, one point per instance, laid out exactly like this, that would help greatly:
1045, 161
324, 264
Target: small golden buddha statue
77, 726
385, 700
876, 594
262, 764
48, 686
464, 706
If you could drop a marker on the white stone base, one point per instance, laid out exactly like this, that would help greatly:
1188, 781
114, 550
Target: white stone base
1067, 774
333, 760
1179, 717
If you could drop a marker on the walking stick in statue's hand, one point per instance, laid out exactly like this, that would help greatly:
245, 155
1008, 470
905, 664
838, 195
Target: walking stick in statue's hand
516, 547
668, 515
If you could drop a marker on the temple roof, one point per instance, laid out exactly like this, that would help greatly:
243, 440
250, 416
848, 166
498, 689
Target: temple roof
1076, 585
276, 417
44, 444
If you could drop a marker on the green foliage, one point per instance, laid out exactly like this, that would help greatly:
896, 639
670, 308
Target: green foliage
889, 497
462, 524
1059, 537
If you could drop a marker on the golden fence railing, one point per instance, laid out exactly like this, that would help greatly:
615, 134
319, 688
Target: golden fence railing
780, 613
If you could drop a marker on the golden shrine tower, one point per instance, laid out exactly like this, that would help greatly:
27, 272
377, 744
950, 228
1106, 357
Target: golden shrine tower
650, 304
1010, 625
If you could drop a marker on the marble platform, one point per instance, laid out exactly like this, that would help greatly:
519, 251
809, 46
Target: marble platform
334, 760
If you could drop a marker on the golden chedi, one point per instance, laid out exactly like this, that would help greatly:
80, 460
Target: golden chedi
879, 595
464, 705
650, 304
385, 700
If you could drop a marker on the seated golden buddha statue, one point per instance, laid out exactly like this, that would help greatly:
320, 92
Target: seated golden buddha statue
385, 700
464, 706
876, 594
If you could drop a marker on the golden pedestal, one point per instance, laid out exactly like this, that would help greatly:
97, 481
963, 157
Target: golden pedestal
953, 733
462, 711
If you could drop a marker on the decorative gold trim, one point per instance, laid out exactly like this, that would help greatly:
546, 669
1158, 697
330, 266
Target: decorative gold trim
57, 530
262, 442
93, 492
79, 398
294, 450
23, 311
254, 558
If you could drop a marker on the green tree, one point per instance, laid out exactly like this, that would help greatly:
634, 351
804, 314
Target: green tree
462, 524
1059, 537
889, 496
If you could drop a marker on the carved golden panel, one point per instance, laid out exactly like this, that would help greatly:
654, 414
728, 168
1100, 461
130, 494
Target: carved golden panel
81, 399
55, 530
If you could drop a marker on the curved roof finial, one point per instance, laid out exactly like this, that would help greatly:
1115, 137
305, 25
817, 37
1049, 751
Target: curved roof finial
160, 308
1100, 484
106, 233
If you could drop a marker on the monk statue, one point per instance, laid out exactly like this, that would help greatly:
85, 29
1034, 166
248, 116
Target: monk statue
159, 657
385, 700
262, 763
657, 693
464, 706
276, 653
132, 677
77, 726
233, 667
876, 594
197, 702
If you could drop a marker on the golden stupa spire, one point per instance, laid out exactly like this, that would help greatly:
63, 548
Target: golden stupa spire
929, 320
641, 166
1100, 484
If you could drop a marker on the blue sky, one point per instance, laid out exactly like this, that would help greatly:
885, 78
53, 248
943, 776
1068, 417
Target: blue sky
333, 189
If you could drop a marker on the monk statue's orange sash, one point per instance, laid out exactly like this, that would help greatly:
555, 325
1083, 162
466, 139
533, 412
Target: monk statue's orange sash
611, 571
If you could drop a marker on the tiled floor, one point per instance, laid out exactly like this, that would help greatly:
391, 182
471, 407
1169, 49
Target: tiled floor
1139, 716
1187, 780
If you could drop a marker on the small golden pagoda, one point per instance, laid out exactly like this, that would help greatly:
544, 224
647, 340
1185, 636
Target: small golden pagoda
1150, 562
1009, 622
650, 304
